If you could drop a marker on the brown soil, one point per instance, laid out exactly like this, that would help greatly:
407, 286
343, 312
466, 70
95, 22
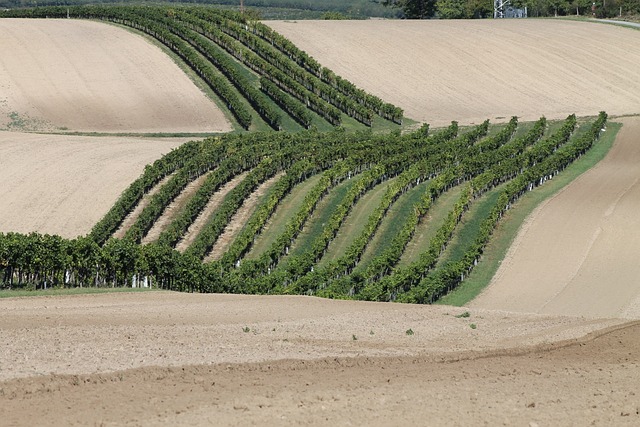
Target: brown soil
161, 358
89, 76
240, 219
65, 184
577, 253
174, 209
209, 209
439, 70
135, 213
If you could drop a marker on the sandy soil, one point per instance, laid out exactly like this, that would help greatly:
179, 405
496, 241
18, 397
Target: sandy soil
577, 253
90, 76
65, 184
439, 71
160, 358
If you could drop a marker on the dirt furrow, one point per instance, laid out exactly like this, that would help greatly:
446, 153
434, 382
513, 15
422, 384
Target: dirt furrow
240, 219
215, 201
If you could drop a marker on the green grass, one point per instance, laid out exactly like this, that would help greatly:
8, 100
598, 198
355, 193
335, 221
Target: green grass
355, 222
69, 291
508, 228
321, 215
428, 227
276, 225
466, 231
391, 224
252, 209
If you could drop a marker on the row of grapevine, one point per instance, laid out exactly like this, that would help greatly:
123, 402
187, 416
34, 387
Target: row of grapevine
339, 92
52, 261
449, 276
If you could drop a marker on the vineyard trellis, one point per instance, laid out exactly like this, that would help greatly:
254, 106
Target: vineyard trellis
346, 165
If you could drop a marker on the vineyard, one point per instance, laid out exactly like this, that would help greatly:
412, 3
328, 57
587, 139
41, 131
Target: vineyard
268, 212
344, 213
263, 80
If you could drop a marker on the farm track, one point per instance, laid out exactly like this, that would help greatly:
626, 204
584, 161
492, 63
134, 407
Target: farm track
214, 202
240, 218
132, 217
173, 209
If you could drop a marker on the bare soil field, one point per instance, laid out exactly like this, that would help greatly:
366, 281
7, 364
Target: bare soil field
554, 341
439, 71
64, 184
91, 77
160, 358
577, 253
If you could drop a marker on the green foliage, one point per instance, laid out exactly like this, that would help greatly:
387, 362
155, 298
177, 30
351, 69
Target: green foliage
214, 43
451, 9
413, 9
333, 16
40, 261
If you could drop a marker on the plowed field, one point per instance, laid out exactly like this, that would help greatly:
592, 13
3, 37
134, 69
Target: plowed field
469, 71
92, 77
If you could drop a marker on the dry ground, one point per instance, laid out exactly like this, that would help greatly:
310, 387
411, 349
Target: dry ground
439, 71
173, 359
64, 184
161, 358
93, 77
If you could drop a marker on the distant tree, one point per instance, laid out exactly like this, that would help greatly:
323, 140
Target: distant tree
333, 16
451, 9
582, 7
630, 6
413, 9
478, 9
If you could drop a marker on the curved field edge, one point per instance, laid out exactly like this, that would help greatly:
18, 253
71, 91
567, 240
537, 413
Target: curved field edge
82, 76
507, 230
439, 84
229, 52
190, 73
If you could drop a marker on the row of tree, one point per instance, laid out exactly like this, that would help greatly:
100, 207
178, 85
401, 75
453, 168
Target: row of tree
465, 9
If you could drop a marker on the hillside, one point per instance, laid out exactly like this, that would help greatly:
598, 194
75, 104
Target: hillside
324, 189
575, 255
478, 69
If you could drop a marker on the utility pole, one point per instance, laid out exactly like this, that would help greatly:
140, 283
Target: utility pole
242, 7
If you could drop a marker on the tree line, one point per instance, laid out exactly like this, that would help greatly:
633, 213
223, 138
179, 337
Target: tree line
468, 9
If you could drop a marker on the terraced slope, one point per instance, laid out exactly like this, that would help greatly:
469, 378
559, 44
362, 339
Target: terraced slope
491, 169
437, 70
